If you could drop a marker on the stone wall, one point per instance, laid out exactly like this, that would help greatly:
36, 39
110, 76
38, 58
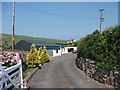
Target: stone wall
104, 76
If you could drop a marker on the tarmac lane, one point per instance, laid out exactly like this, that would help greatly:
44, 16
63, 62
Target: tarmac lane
61, 72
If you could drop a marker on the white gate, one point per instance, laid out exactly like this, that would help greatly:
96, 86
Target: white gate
11, 77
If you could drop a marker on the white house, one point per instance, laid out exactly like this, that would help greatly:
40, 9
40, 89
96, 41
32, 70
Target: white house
71, 41
70, 49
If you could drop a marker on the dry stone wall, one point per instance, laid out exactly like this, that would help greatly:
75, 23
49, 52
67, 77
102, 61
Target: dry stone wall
104, 76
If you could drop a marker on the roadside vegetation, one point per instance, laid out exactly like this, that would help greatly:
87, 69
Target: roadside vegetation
103, 48
3, 43
30, 59
73, 44
37, 58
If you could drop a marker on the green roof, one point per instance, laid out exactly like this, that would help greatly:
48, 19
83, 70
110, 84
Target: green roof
50, 47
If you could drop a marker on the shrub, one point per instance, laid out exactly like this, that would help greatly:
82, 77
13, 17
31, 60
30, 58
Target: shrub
24, 52
3, 43
44, 56
39, 56
74, 44
31, 58
103, 48
11, 58
36, 58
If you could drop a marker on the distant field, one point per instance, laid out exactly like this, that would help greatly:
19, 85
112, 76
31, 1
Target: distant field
20, 37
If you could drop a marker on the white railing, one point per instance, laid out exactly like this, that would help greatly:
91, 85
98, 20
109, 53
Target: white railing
11, 77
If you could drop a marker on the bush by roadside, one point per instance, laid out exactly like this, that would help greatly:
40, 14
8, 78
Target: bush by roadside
37, 58
11, 58
30, 60
103, 48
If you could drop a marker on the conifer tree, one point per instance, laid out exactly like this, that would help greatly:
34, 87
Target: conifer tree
44, 55
39, 56
42, 58
31, 58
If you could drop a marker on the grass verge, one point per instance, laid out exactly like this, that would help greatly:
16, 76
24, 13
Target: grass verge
27, 72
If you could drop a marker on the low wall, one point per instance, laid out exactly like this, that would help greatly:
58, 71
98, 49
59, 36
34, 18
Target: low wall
104, 76
55, 53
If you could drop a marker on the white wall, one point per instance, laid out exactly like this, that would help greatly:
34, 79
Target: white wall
56, 54
75, 48
62, 51
66, 49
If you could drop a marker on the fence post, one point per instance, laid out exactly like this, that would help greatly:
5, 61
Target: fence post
21, 77
1, 70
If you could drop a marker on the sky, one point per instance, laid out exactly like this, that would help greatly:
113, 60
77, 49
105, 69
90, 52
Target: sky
58, 20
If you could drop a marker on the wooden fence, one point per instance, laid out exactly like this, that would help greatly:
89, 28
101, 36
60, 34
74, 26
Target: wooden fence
11, 77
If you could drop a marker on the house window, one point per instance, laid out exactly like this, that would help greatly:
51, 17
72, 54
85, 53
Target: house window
56, 51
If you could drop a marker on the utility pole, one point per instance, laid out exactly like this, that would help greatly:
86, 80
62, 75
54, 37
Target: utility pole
119, 13
13, 26
101, 20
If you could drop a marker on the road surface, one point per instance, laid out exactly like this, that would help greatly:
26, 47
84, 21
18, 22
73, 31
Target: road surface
61, 72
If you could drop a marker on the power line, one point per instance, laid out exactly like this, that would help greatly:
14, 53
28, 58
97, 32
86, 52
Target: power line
54, 14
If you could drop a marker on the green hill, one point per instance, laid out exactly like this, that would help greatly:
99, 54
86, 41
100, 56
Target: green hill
20, 37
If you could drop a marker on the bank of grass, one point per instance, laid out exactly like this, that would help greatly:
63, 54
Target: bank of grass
21, 37
27, 72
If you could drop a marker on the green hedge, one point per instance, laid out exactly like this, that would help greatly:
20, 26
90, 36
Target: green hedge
103, 48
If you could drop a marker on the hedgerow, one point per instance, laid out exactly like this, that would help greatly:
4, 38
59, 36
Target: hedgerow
103, 48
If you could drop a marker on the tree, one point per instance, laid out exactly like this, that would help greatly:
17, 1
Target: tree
31, 58
96, 32
3, 43
39, 57
44, 56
